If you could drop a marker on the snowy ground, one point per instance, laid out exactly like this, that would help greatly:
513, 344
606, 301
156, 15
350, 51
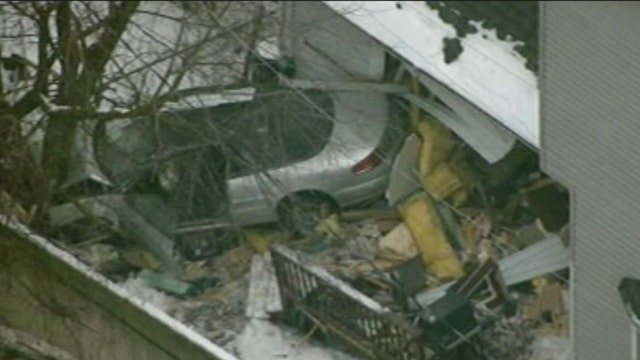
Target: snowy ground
266, 341
551, 348
260, 339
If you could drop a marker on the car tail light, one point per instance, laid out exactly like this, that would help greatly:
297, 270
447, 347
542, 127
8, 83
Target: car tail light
388, 145
367, 164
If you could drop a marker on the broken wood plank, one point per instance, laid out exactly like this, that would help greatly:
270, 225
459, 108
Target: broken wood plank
344, 85
375, 214
264, 295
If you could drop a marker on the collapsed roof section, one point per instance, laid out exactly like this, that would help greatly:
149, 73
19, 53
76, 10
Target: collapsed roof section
489, 72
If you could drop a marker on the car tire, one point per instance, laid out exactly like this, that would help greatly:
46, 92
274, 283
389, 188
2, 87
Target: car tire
301, 214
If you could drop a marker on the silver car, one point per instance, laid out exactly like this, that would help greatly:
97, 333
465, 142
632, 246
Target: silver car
279, 154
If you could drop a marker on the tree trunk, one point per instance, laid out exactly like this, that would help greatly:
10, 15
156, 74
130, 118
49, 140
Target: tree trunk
76, 89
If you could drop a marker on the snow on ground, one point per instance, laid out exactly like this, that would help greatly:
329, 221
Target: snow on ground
489, 73
266, 341
551, 348
136, 287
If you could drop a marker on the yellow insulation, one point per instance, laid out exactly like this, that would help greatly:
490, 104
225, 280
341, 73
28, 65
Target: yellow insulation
422, 220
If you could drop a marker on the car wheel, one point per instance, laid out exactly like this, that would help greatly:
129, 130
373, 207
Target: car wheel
302, 213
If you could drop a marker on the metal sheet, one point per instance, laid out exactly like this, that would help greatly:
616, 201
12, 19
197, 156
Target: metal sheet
544, 257
404, 180
123, 218
481, 133
84, 165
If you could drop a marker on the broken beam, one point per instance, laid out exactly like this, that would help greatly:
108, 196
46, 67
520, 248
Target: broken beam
344, 85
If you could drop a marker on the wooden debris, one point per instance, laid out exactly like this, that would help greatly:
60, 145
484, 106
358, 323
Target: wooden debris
142, 259
550, 298
264, 295
370, 214
475, 231
398, 242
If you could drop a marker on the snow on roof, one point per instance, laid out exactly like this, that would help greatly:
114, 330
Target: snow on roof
488, 73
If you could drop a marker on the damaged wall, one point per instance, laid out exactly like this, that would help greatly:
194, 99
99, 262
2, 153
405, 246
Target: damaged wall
53, 298
590, 128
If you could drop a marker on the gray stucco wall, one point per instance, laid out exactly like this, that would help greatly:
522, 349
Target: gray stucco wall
77, 312
590, 141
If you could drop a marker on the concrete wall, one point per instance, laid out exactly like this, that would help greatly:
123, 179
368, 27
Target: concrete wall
50, 295
590, 116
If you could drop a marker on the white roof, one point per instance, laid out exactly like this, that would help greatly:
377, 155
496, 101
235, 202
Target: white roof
488, 73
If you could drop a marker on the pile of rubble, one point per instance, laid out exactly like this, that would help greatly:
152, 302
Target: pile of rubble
521, 316
208, 295
483, 260
466, 260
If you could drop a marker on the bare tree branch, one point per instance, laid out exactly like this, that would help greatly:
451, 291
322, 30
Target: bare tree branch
30, 101
98, 54
16, 5
91, 59
69, 59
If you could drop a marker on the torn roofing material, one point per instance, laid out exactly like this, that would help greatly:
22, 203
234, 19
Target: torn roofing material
542, 258
489, 72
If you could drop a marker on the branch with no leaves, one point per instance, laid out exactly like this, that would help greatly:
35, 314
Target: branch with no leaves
148, 108
99, 53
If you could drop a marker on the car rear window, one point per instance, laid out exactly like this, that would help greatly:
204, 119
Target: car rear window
279, 128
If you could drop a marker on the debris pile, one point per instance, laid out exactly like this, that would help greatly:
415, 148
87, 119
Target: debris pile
486, 245
465, 260
209, 295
